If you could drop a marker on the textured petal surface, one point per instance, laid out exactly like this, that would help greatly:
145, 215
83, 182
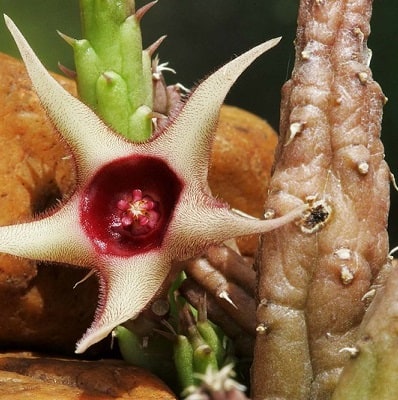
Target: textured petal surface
93, 143
212, 222
127, 286
187, 141
58, 238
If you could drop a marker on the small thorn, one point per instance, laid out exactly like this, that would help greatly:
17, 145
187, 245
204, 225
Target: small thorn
357, 32
155, 45
305, 55
224, 295
180, 86
393, 181
144, 9
113, 336
242, 214
346, 275
262, 328
169, 327
156, 118
107, 77
294, 129
343, 253
92, 272
369, 294
70, 73
393, 250
339, 100
363, 77
363, 167
67, 38
353, 351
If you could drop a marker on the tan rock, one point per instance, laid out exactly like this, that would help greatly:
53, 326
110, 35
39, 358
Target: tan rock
39, 309
23, 376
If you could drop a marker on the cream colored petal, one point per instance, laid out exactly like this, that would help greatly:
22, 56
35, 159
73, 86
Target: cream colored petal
203, 221
127, 285
57, 238
187, 141
93, 143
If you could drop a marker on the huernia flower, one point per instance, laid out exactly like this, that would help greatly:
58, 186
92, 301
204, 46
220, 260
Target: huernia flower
136, 207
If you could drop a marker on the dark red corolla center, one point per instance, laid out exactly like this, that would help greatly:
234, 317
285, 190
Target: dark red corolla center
127, 206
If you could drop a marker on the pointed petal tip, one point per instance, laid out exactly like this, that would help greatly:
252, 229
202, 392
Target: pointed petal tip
9, 23
269, 44
124, 295
199, 113
91, 337
16, 33
242, 225
276, 39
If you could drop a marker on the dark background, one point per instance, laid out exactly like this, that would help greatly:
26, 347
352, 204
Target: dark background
202, 35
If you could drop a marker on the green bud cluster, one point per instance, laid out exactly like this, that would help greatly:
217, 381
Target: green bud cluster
114, 74
188, 340
198, 349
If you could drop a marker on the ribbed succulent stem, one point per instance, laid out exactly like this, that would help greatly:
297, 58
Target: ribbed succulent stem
313, 276
113, 72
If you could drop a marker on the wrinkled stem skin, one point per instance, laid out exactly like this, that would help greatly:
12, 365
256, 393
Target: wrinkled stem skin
312, 278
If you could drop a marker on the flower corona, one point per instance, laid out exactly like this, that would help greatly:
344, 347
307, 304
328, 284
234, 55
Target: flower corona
126, 207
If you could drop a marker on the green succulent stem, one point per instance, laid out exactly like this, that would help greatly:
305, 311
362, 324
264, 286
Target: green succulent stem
183, 359
372, 371
114, 74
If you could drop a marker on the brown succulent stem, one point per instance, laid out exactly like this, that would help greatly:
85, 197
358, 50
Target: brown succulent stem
313, 275
230, 296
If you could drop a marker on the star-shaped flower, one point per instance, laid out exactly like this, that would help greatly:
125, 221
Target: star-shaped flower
137, 207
